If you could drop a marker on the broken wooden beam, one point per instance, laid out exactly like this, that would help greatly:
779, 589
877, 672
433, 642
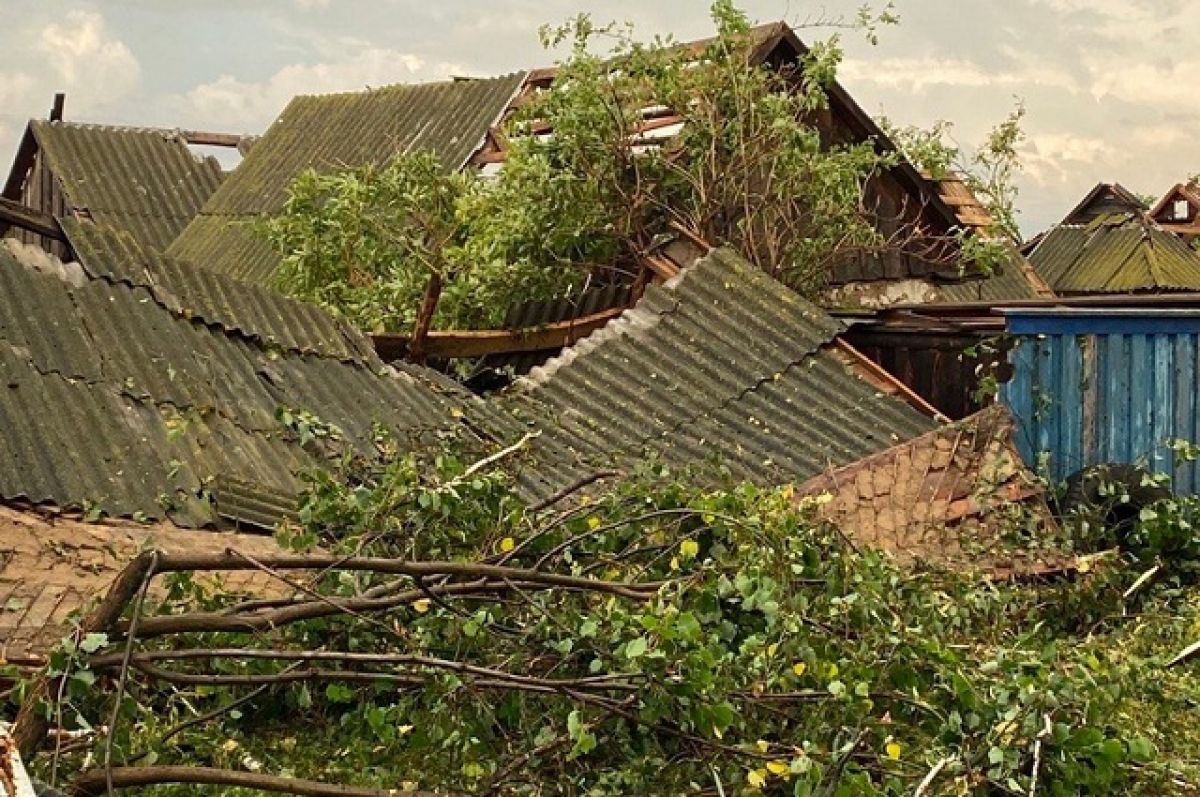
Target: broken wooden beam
202, 138
461, 344
17, 215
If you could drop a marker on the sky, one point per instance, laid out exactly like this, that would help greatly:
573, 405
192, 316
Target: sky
1111, 87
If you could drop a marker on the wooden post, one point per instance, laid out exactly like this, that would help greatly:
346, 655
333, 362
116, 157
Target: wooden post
416, 349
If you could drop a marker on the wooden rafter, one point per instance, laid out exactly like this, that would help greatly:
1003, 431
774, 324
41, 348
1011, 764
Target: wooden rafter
461, 344
15, 214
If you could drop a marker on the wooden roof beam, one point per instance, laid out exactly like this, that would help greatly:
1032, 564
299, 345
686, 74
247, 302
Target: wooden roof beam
203, 138
17, 215
459, 344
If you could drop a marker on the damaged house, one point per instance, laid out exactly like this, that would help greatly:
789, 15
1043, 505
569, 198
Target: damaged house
139, 308
145, 182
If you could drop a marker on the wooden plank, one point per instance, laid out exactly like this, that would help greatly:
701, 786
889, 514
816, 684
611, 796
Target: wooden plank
204, 138
876, 373
17, 215
460, 344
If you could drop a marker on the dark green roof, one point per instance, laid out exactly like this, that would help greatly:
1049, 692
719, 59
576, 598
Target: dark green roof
1115, 254
143, 181
1009, 281
331, 132
721, 365
125, 389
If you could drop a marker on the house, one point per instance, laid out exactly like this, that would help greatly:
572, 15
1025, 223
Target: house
724, 372
1105, 199
462, 122
330, 133
176, 391
142, 181
1179, 211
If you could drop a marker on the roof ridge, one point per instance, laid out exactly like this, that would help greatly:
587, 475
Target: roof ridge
418, 85
172, 132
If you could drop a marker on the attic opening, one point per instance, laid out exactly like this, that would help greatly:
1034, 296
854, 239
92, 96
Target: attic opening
1179, 210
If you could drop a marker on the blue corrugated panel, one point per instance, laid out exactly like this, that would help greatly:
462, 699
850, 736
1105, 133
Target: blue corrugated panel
1098, 386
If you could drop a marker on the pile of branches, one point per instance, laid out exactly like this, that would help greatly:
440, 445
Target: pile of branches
442, 638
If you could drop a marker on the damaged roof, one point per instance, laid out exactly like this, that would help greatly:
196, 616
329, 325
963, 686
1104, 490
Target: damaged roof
1117, 253
143, 181
53, 567
721, 366
338, 131
138, 386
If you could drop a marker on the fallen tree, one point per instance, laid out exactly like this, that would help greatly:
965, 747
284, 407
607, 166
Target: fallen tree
647, 638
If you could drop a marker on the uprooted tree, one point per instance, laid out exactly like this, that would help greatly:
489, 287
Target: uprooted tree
622, 150
649, 637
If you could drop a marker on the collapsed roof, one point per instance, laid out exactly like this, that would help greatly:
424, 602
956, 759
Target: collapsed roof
333, 132
142, 181
1115, 253
136, 385
721, 368
460, 121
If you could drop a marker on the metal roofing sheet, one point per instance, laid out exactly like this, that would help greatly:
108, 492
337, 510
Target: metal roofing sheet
1009, 281
340, 131
1115, 255
721, 363
144, 181
215, 298
111, 397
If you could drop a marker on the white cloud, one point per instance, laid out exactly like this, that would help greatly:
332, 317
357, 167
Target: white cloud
1167, 86
15, 88
1053, 157
93, 65
238, 105
918, 75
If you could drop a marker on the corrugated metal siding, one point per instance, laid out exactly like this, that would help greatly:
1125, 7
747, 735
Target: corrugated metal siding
723, 364
143, 181
1106, 387
339, 131
113, 397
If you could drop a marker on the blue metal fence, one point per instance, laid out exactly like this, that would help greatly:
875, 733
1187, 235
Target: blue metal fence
1105, 385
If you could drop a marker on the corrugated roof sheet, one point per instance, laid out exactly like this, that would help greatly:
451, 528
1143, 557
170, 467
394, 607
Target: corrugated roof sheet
1012, 280
116, 395
1115, 254
214, 298
720, 364
140, 180
339, 131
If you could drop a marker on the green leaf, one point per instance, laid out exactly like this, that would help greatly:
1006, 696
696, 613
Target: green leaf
636, 648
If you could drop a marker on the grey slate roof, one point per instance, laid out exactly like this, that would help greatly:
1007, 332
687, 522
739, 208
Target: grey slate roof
141, 180
722, 366
123, 388
338, 131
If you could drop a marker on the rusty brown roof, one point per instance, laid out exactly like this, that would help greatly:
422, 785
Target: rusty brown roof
945, 496
53, 566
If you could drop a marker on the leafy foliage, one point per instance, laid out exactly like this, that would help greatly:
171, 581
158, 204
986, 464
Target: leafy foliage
748, 166
988, 170
766, 656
